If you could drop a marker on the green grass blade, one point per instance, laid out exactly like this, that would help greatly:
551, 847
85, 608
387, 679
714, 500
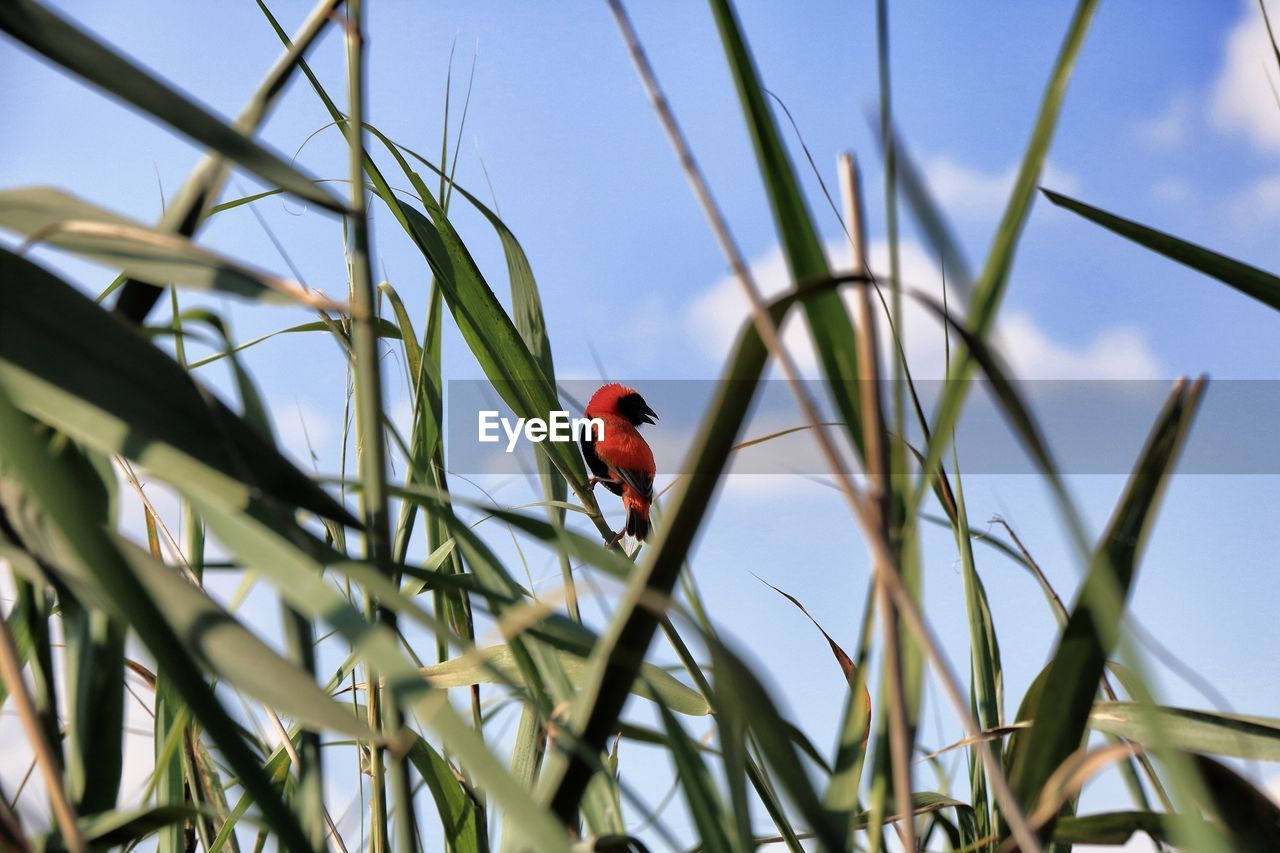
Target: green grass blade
1070, 683
735, 683
1249, 816
828, 316
93, 669
386, 329
1249, 280
620, 651
71, 364
48, 216
61, 496
194, 200
61, 42
654, 683
992, 282
697, 786
464, 829
1251, 738
290, 558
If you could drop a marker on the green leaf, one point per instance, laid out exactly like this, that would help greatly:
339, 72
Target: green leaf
73, 365
93, 667
214, 638
737, 687
827, 315
489, 663
49, 216
386, 329
464, 831
58, 494
292, 559
194, 200
1252, 738
58, 40
989, 290
697, 786
1071, 680
616, 661
1110, 828
1251, 281
1250, 818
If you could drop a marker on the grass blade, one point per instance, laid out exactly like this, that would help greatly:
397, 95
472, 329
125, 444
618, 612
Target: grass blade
1251, 738
51, 217
827, 315
62, 497
1071, 680
194, 201
61, 42
71, 364
495, 665
1249, 280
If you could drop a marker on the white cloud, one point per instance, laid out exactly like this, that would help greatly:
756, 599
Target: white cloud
1172, 190
1170, 127
1243, 98
1256, 204
966, 191
715, 318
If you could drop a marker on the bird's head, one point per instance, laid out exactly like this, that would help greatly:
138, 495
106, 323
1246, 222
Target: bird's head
615, 399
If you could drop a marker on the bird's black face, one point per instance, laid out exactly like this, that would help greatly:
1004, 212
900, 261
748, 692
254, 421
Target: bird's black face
633, 407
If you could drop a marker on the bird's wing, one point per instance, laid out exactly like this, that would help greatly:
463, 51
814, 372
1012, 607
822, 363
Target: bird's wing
596, 464
639, 481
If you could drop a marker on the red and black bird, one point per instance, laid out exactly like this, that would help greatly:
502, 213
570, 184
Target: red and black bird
621, 461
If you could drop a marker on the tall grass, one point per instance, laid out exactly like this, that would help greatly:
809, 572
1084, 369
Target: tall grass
84, 388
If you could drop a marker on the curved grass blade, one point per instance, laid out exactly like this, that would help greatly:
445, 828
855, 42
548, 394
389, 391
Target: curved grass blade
1070, 683
294, 561
386, 329
827, 314
1111, 828
62, 498
736, 685
462, 821
93, 668
654, 683
992, 282
1249, 280
76, 367
61, 42
194, 200
1250, 818
48, 216
1251, 738
697, 786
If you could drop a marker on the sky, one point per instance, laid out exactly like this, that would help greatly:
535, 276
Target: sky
1170, 119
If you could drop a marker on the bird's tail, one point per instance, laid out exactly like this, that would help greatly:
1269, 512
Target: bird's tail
637, 516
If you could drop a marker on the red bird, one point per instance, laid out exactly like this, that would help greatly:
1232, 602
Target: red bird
622, 461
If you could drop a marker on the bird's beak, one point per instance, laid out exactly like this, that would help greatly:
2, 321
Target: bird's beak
649, 416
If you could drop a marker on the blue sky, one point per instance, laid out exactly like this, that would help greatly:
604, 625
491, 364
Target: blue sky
1169, 120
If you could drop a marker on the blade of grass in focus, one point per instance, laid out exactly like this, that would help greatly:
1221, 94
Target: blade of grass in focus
1062, 709
1249, 280
992, 282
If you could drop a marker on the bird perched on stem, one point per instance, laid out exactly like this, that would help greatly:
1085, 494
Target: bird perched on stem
621, 460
